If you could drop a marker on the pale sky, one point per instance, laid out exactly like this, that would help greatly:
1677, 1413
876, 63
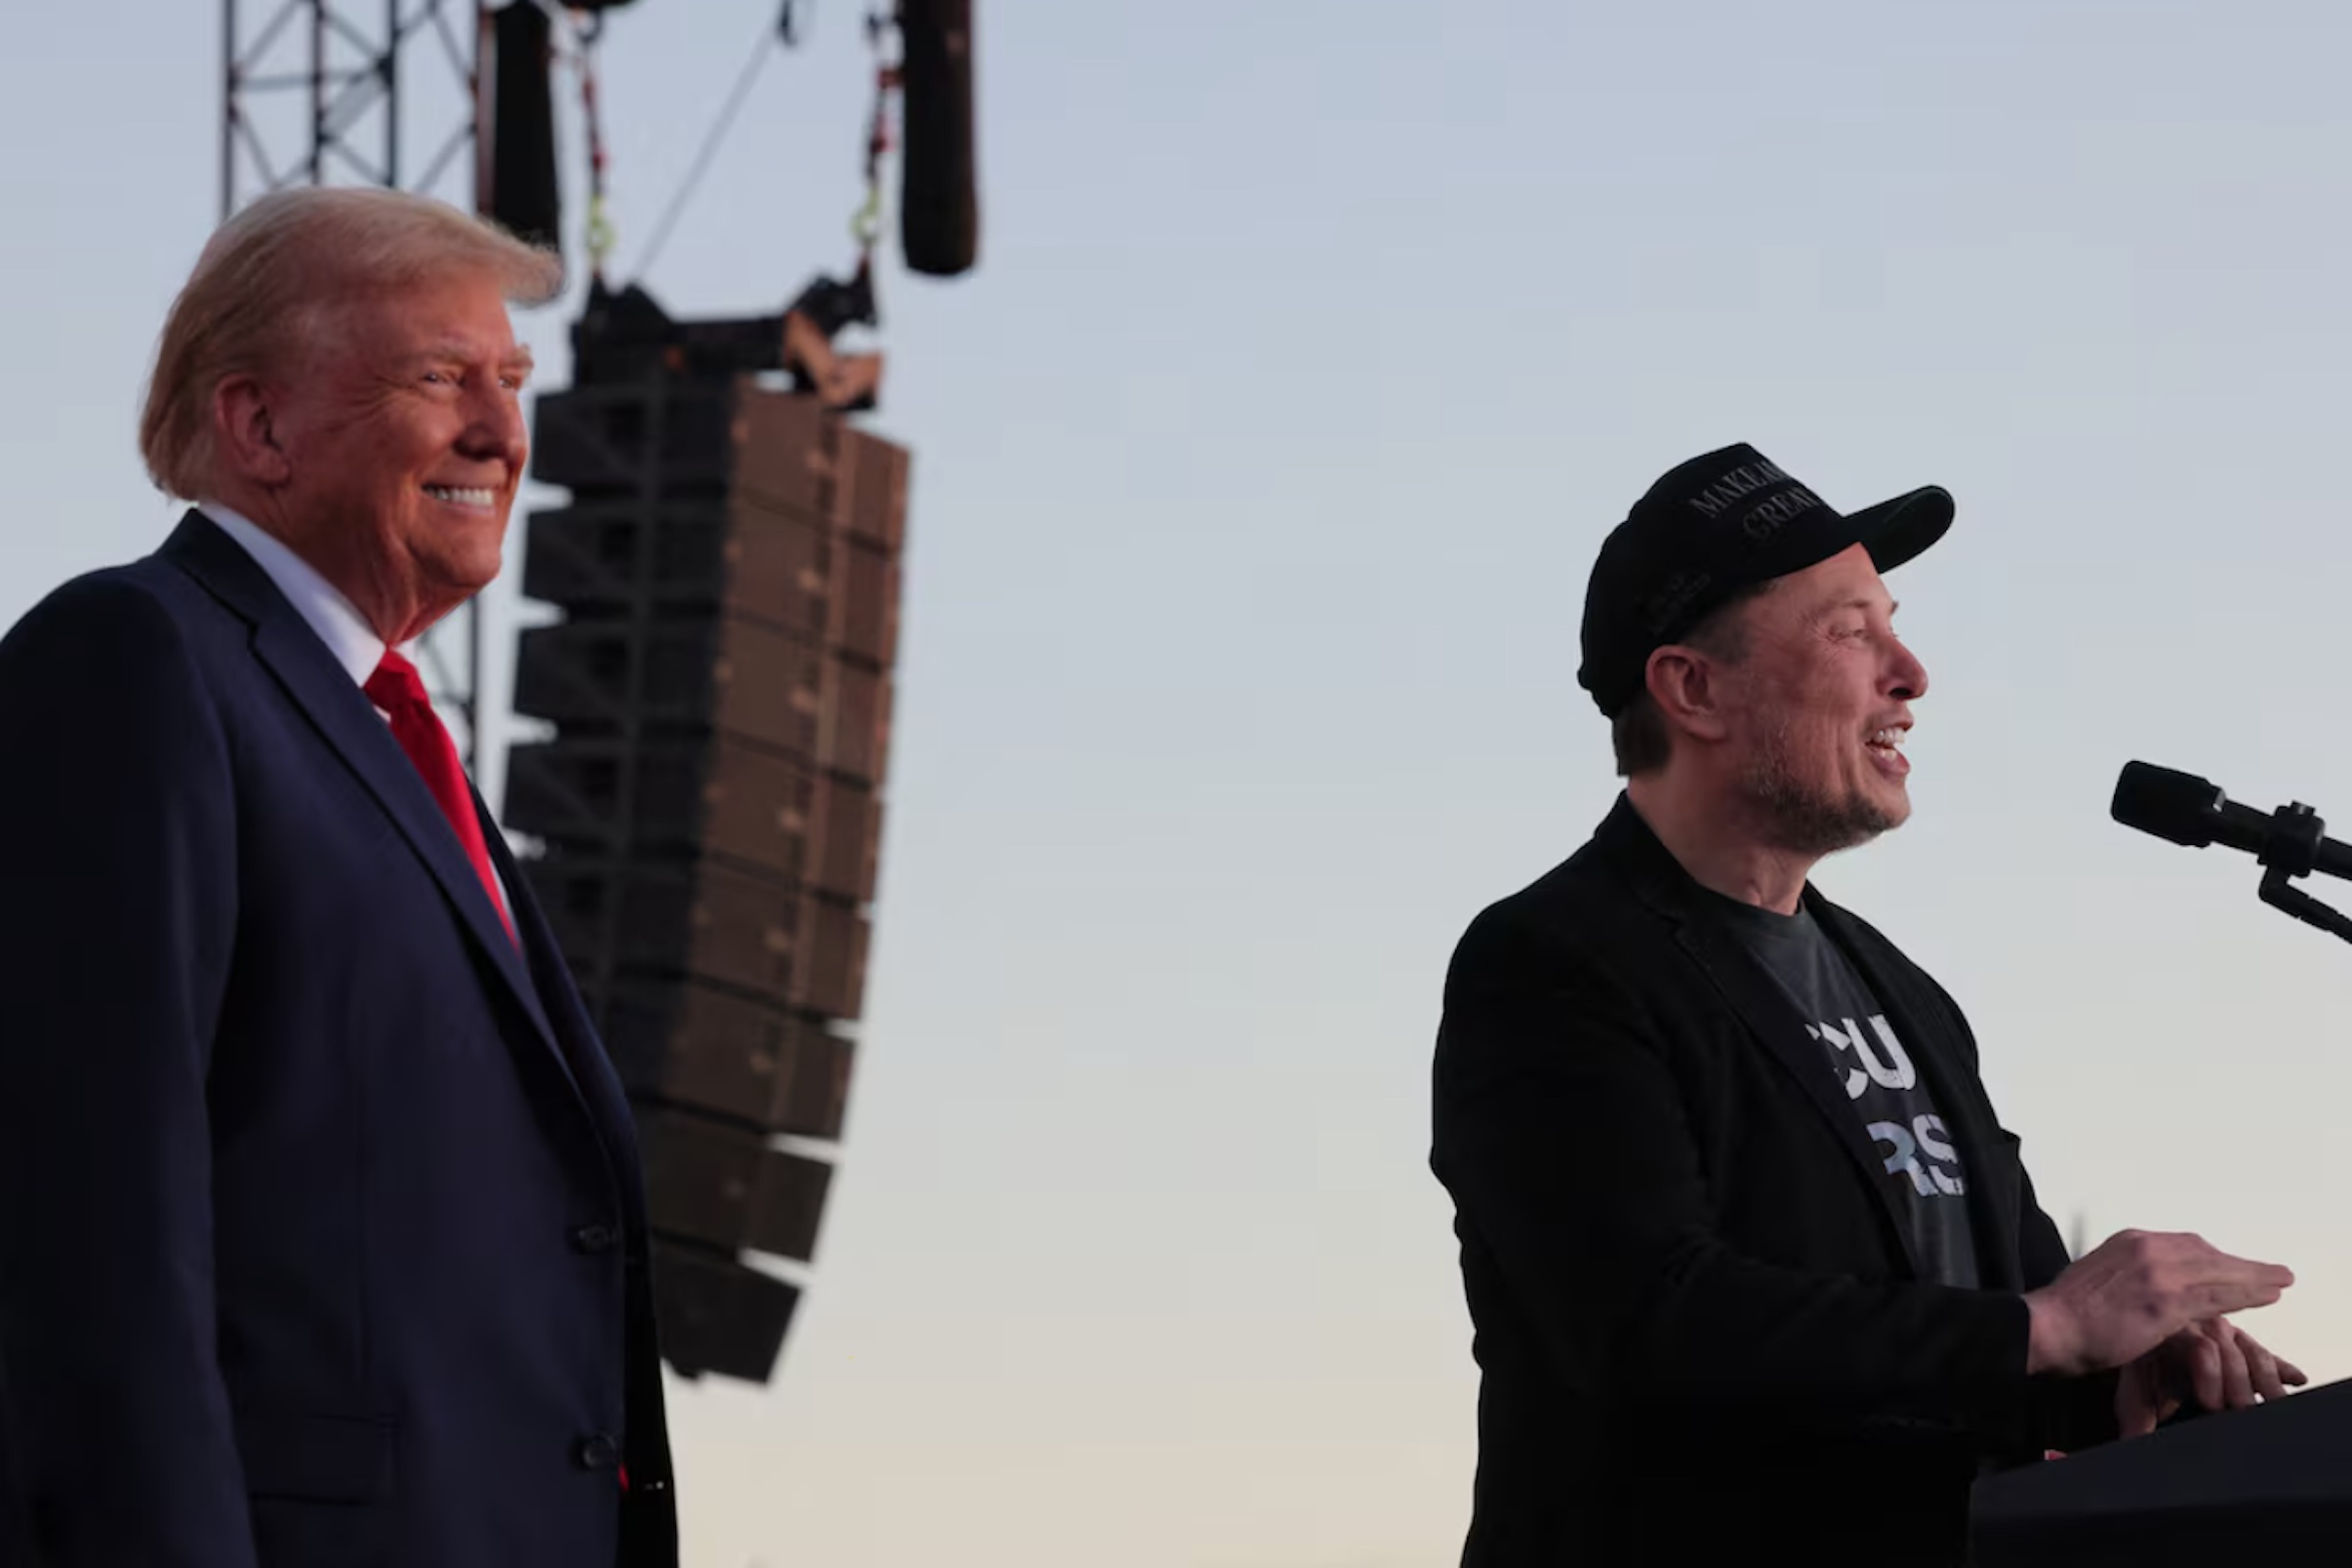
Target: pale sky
1315, 344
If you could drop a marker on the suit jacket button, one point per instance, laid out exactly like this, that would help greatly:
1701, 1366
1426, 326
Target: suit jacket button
597, 1453
593, 1238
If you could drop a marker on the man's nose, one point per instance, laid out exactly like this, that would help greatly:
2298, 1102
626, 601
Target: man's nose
498, 431
1909, 675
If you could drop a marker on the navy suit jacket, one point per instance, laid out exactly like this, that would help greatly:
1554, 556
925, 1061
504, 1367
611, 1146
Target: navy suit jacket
322, 1228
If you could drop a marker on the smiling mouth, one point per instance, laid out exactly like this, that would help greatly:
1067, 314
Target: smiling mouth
462, 494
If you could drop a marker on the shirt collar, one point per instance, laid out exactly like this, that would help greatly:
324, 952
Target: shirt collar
321, 605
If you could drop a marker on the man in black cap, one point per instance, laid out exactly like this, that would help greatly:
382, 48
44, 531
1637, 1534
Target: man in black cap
1752, 1264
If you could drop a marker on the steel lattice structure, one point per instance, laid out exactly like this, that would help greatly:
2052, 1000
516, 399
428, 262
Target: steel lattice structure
363, 91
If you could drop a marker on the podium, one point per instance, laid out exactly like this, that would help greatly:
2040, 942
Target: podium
2269, 1485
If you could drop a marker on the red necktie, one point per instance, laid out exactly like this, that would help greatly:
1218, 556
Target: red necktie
396, 689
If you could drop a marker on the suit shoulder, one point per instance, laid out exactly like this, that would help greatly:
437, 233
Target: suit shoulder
123, 635
1555, 923
144, 596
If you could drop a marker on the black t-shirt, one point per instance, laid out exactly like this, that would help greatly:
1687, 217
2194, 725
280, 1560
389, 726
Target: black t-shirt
1878, 1076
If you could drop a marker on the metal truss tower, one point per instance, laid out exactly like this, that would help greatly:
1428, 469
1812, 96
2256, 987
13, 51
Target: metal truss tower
371, 92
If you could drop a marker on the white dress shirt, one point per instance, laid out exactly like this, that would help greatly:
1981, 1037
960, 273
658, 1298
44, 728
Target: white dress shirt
322, 607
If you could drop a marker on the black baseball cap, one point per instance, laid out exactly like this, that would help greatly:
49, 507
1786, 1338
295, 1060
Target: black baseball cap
1708, 528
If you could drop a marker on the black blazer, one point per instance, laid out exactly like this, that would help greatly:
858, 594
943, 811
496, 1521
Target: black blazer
1695, 1318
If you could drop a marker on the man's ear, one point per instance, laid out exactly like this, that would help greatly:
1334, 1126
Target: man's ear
1689, 689
246, 435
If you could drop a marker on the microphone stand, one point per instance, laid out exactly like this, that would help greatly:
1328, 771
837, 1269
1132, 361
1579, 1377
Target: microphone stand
2289, 852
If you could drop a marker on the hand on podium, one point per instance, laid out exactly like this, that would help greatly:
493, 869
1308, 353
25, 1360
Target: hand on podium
2156, 1306
2213, 1361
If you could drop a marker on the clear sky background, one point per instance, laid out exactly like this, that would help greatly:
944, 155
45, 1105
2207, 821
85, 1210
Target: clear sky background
1315, 344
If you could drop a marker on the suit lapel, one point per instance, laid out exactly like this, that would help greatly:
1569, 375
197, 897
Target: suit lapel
1929, 1035
592, 1070
1775, 1024
344, 718
1658, 879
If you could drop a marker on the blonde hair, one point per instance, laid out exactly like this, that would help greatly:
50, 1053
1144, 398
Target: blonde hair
270, 275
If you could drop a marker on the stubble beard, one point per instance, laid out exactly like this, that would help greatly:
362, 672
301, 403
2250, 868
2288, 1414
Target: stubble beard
1802, 818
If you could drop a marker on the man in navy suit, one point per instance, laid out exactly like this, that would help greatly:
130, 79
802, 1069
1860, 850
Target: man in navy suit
322, 1228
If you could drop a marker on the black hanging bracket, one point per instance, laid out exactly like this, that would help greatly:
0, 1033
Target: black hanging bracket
2291, 850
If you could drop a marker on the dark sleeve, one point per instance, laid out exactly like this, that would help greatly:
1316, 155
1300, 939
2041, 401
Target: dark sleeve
1562, 1135
117, 915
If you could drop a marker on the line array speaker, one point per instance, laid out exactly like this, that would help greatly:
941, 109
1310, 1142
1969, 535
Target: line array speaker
711, 805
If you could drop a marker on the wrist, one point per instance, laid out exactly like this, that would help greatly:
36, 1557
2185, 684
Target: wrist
2048, 1336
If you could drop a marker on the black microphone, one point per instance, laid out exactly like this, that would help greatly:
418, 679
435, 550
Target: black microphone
2187, 810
